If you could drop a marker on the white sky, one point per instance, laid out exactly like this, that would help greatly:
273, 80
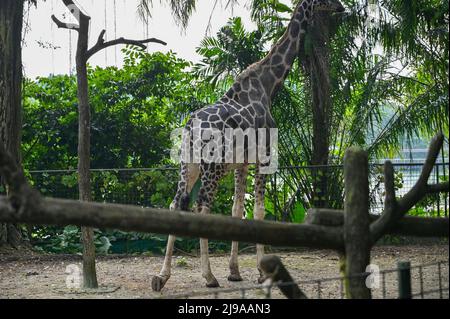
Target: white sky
40, 61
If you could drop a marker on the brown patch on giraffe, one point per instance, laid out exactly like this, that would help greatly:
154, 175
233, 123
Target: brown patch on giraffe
284, 46
243, 98
279, 71
277, 59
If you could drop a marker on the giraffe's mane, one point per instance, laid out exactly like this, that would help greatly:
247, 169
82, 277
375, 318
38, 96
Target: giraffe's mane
246, 73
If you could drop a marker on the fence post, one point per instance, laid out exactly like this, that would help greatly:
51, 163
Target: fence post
438, 195
356, 223
404, 280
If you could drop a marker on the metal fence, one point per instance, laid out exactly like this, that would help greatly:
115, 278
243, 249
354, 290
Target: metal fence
425, 281
288, 190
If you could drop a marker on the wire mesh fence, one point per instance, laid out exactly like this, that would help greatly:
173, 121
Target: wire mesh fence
146, 187
427, 281
289, 191
406, 175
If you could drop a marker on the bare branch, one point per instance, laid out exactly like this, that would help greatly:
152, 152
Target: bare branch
419, 190
75, 10
65, 25
101, 44
388, 218
433, 153
101, 38
407, 226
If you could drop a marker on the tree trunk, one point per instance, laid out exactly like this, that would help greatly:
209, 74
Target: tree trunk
84, 121
356, 223
84, 153
11, 18
321, 105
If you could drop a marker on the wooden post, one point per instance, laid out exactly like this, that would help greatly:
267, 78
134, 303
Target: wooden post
356, 223
404, 280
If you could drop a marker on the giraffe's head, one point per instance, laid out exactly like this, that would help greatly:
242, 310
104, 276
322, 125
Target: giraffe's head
328, 5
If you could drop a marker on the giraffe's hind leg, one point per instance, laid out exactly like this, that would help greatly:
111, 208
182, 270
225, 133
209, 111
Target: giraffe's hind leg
210, 175
258, 213
240, 179
188, 176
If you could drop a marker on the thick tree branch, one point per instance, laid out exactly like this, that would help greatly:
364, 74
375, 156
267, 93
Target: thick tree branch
396, 209
407, 226
65, 25
275, 271
101, 44
419, 190
388, 218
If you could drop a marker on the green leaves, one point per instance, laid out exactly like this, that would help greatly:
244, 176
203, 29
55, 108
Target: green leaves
133, 109
228, 53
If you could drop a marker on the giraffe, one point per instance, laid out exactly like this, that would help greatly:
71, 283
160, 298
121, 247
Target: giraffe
246, 105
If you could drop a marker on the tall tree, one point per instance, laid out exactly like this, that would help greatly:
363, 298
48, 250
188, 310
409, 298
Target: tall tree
84, 120
316, 63
11, 18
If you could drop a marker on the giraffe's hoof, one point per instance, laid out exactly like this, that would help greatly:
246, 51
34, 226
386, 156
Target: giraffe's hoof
234, 277
158, 283
213, 283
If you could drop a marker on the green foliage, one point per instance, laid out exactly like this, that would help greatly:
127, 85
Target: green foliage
298, 213
68, 240
134, 109
229, 53
427, 206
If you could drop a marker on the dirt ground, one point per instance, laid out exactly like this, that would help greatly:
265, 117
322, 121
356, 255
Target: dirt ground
44, 276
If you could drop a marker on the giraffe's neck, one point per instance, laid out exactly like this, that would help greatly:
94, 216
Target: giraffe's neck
278, 62
271, 71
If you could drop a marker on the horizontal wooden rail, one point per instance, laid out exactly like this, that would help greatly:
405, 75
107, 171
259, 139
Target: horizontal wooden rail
407, 226
49, 211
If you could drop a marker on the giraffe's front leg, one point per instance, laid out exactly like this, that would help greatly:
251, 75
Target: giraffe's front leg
240, 179
258, 213
159, 281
